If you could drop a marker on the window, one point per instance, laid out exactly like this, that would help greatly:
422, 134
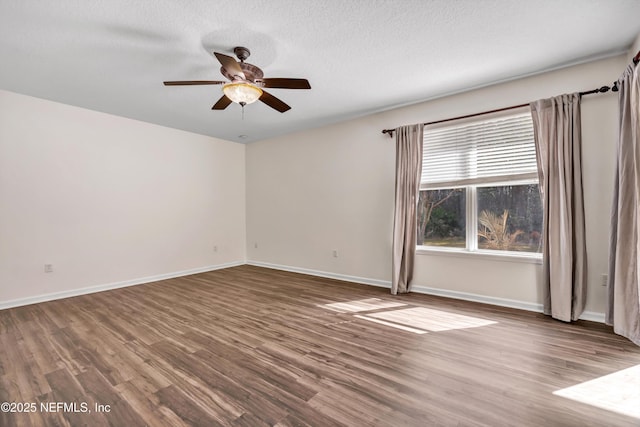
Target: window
479, 186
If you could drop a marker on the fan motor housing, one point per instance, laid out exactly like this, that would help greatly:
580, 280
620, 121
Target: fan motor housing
251, 72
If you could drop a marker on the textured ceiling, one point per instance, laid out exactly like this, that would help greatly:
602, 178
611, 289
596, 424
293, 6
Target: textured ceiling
360, 56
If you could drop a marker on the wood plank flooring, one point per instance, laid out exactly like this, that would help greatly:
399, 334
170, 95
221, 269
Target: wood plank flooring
248, 346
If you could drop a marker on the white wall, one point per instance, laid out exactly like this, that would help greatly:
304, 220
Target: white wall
108, 200
332, 188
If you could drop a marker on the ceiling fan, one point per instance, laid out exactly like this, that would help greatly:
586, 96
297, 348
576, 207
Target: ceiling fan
246, 83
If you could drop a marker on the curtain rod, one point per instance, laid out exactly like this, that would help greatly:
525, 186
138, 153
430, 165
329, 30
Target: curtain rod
603, 89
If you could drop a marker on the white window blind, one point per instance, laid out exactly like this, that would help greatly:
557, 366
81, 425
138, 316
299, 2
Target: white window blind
491, 150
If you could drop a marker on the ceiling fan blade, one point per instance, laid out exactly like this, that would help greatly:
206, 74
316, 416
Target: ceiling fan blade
273, 102
230, 64
279, 83
222, 103
194, 82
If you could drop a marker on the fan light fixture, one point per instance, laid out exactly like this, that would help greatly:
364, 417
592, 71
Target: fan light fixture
242, 93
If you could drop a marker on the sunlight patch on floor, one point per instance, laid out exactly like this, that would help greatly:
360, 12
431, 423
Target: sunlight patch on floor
428, 319
361, 305
393, 325
618, 392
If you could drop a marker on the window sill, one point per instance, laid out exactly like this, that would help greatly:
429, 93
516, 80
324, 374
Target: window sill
527, 258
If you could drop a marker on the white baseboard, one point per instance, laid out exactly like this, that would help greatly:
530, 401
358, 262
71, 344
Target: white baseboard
592, 316
329, 275
109, 286
502, 302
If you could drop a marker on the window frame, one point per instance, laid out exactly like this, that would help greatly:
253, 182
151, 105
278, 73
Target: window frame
471, 207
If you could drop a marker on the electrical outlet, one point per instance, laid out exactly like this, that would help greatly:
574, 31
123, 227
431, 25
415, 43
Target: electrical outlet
48, 268
335, 253
215, 248
604, 280
255, 245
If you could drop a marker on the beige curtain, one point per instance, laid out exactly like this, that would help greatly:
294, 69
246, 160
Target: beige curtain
408, 171
624, 277
558, 139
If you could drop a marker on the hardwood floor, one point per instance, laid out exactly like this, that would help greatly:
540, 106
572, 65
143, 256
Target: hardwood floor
248, 346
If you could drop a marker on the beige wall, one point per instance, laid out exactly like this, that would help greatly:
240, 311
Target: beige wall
323, 190
332, 189
634, 48
107, 199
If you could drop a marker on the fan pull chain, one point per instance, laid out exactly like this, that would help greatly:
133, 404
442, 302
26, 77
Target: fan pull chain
242, 104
